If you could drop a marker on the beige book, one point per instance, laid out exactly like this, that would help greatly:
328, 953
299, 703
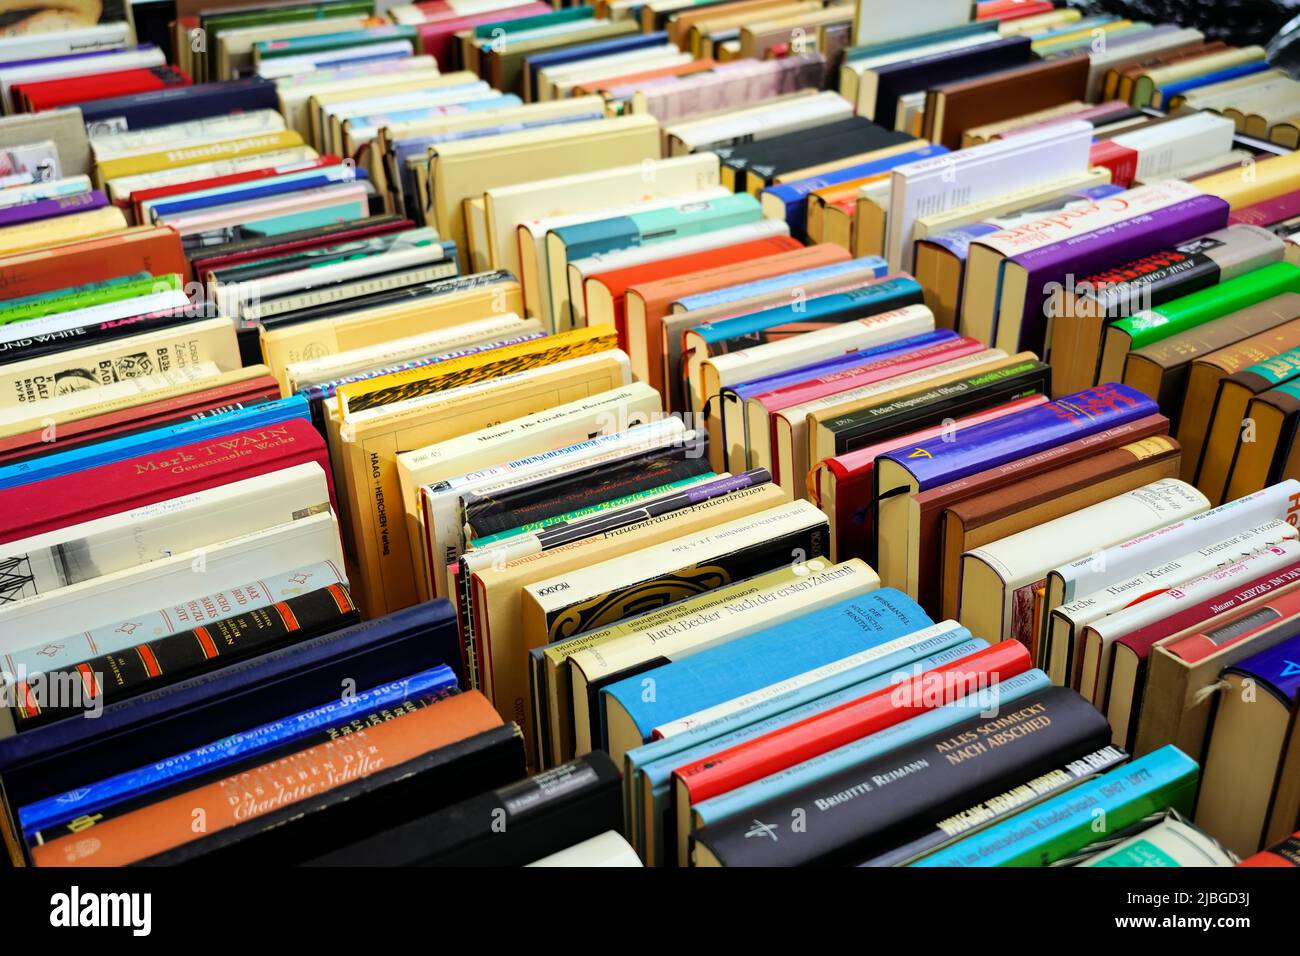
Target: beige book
49, 232
337, 120
648, 179
63, 127
390, 567
301, 341
773, 117
234, 53
496, 592
322, 104
119, 190
793, 428
463, 169
998, 581
1147, 88
295, 92
37, 380
181, 155
1011, 202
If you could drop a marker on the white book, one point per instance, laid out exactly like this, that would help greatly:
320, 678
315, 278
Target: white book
749, 125
283, 66
508, 206
978, 173
49, 189
1100, 636
999, 581
1066, 623
295, 92
56, 69
878, 21
612, 411
1231, 93
1171, 842
179, 577
191, 132
1179, 142
34, 46
608, 849
410, 99
90, 549
807, 678
612, 64
330, 368
92, 315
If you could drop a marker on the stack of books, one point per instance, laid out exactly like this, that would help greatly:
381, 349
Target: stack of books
479, 432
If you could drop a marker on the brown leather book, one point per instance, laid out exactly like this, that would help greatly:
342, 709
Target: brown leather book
1018, 505
953, 108
1203, 381
1272, 455
931, 504
1161, 369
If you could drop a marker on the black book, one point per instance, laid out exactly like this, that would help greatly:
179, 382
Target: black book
764, 160
34, 346
861, 811
363, 807
911, 76
536, 501
511, 826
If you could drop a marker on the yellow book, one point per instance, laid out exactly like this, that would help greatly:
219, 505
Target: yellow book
1147, 87
1254, 182
390, 561
417, 382
49, 232
463, 302
467, 168
192, 155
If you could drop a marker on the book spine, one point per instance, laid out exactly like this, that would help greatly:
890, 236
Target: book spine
164, 622
73, 809
1058, 827
863, 810
109, 677
49, 208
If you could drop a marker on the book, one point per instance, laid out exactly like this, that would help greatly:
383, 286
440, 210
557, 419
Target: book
1064, 824
1264, 460
1167, 843
998, 580
902, 474
920, 781
1282, 853
710, 678
609, 849
1239, 801
1079, 316
543, 814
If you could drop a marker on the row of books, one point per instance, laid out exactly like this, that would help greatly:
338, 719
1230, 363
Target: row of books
597, 393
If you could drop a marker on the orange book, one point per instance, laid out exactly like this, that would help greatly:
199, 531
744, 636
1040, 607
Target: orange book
171, 822
153, 249
646, 305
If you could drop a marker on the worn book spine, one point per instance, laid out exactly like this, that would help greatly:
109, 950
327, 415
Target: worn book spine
110, 677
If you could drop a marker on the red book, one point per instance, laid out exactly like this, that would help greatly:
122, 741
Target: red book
1269, 212
163, 474
854, 477
361, 229
1012, 9
1196, 647
1286, 853
50, 94
127, 421
807, 738
152, 249
230, 179
436, 38
1120, 160
618, 281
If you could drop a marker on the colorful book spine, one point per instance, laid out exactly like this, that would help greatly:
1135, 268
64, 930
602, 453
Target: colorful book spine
201, 612
299, 728
707, 300
50, 208
1062, 826
646, 228
938, 460
110, 677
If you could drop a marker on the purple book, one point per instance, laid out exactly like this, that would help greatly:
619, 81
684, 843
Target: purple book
49, 208
1270, 212
1090, 252
948, 457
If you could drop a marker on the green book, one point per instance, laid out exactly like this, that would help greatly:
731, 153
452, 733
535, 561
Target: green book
492, 31
324, 42
1097, 809
1151, 325
86, 296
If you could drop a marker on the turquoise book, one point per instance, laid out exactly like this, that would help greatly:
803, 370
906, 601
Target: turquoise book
638, 708
746, 290
650, 781
585, 239
1094, 810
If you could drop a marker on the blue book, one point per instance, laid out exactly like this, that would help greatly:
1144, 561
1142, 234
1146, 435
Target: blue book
656, 225
1218, 76
140, 443
935, 721
584, 51
649, 768
1063, 825
272, 186
182, 103
705, 300
789, 201
169, 720
876, 623
241, 746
